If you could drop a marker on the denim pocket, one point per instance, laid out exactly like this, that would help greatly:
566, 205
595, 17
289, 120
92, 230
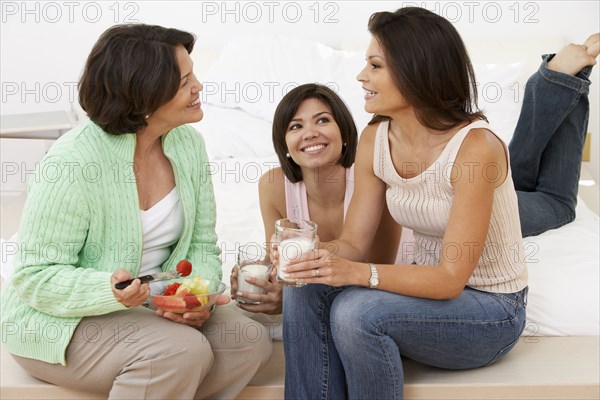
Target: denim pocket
510, 298
517, 300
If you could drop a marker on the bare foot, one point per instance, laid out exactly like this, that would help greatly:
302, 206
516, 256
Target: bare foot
574, 57
593, 45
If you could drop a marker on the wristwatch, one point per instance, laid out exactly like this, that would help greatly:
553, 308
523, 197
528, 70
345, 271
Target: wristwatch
374, 281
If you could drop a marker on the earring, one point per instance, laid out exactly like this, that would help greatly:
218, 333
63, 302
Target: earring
288, 155
345, 144
147, 116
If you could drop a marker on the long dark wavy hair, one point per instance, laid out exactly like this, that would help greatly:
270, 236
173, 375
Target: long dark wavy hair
430, 66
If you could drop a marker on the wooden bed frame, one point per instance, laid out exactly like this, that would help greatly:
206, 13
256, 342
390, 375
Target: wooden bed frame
537, 368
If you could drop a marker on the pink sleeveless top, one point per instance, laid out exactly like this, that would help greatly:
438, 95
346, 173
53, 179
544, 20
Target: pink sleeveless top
296, 199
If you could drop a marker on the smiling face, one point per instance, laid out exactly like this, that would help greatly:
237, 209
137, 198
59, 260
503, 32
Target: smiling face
313, 137
382, 95
184, 108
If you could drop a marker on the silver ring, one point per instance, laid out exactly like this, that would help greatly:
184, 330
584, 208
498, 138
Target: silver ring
317, 273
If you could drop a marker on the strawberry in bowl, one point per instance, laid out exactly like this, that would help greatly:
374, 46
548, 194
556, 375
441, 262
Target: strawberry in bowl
184, 267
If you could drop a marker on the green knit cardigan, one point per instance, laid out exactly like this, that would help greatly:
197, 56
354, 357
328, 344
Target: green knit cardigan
81, 222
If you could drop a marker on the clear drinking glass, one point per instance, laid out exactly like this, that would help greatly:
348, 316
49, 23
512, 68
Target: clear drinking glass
252, 261
294, 239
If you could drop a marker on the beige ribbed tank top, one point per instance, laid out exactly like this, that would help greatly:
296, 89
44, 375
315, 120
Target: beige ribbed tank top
423, 204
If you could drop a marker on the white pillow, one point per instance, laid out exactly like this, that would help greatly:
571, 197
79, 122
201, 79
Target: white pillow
500, 89
232, 132
254, 72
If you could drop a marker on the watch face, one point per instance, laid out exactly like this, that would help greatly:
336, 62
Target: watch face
373, 282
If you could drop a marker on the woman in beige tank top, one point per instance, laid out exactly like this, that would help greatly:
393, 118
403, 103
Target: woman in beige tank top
443, 172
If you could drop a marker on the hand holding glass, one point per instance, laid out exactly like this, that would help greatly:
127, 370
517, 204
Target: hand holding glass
294, 238
252, 261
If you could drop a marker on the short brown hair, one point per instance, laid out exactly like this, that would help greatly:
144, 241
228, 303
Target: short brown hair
131, 71
287, 108
430, 65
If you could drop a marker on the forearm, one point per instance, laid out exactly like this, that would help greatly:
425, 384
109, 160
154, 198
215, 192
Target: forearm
344, 249
66, 291
424, 281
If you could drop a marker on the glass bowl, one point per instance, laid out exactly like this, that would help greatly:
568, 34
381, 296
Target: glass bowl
184, 303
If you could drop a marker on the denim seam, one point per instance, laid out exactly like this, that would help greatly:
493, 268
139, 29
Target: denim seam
326, 342
376, 328
387, 321
475, 324
509, 346
389, 362
324, 349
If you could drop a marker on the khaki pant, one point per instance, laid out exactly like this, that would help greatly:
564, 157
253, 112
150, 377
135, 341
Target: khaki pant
135, 354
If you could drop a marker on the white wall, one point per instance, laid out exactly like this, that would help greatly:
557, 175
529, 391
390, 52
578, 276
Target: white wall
44, 44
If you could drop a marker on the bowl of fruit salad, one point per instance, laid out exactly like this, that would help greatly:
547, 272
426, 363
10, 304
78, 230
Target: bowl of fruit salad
191, 293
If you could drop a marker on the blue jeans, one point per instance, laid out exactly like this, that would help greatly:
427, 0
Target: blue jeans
349, 342
546, 148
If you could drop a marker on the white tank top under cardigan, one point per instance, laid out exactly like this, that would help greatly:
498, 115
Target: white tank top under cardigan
162, 225
423, 204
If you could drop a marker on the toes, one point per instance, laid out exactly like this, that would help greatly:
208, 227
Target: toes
592, 45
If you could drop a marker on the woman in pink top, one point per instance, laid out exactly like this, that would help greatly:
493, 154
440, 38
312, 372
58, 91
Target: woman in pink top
315, 138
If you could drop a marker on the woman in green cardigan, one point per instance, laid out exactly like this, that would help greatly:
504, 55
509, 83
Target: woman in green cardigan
125, 194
